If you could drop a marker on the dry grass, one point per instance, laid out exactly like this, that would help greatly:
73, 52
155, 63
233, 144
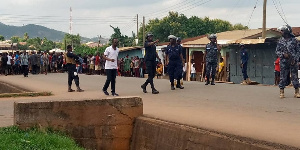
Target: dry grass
26, 94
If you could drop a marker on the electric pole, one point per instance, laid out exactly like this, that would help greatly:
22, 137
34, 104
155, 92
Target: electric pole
143, 30
137, 25
264, 28
70, 30
99, 37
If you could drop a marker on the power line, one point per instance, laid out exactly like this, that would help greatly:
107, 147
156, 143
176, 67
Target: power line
196, 5
182, 4
251, 16
282, 11
171, 7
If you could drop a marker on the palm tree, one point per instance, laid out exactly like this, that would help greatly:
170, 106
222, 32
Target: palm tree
26, 37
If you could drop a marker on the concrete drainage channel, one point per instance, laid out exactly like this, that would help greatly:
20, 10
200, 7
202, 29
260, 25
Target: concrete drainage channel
118, 124
8, 90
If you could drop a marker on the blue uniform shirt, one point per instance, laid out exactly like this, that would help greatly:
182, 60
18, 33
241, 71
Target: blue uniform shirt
244, 56
174, 52
150, 52
211, 53
290, 47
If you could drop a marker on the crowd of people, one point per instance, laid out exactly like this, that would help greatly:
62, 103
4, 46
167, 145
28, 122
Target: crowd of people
34, 62
24, 62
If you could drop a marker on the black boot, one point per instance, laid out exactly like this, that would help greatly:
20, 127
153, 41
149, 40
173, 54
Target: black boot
207, 82
172, 86
179, 85
144, 88
79, 89
212, 80
70, 89
154, 91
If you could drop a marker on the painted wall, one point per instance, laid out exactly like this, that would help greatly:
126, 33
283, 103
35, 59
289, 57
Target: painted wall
131, 53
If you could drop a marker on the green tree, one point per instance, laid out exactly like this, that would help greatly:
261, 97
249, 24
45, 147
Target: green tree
15, 39
70, 39
2, 38
124, 40
25, 37
239, 27
35, 43
181, 26
47, 45
84, 49
23, 47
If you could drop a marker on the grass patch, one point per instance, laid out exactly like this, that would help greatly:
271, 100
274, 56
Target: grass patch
27, 94
13, 138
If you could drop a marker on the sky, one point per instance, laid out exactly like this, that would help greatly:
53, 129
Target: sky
92, 18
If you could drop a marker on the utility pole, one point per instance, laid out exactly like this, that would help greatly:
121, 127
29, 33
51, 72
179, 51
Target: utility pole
143, 30
70, 30
137, 25
99, 37
264, 28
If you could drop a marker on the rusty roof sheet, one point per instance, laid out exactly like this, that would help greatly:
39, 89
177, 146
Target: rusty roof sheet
227, 37
250, 36
184, 40
122, 49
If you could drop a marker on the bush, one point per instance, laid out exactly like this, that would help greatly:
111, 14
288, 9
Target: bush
13, 138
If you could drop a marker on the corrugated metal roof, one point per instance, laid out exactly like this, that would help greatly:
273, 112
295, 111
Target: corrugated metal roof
122, 49
249, 41
5, 45
184, 40
237, 36
296, 30
227, 37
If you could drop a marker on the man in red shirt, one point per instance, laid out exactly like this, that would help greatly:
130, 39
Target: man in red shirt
97, 64
277, 71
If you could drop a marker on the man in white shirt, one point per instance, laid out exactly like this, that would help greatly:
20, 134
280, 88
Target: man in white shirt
9, 60
193, 71
111, 65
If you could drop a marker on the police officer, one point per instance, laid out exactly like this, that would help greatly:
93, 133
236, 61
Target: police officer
72, 72
150, 60
211, 58
288, 51
244, 64
174, 60
178, 41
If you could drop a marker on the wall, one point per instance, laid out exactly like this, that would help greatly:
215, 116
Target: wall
153, 134
95, 124
131, 53
260, 64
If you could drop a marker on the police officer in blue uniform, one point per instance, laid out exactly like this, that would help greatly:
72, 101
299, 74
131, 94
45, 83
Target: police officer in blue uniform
150, 60
174, 60
211, 57
288, 51
244, 64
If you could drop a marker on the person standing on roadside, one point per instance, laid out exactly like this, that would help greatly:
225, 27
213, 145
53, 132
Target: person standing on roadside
111, 65
288, 51
72, 72
211, 57
4, 64
24, 62
45, 58
174, 61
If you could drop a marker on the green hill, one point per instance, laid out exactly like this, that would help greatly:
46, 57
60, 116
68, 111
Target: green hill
35, 31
